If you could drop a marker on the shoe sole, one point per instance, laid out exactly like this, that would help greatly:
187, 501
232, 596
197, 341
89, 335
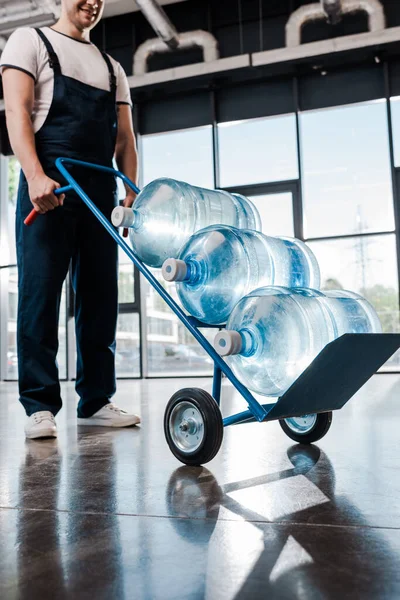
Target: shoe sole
46, 433
89, 422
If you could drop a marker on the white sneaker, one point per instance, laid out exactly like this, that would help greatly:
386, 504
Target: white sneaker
110, 416
40, 425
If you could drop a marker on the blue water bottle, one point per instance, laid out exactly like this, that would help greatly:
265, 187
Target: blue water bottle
167, 212
274, 333
219, 265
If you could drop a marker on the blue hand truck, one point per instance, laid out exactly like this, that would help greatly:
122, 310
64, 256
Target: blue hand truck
193, 423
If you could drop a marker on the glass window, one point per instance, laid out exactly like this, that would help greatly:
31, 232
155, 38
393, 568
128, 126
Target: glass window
395, 104
126, 279
276, 212
347, 185
127, 355
366, 265
258, 151
126, 275
12, 356
10, 276
187, 156
160, 326
62, 336
184, 155
171, 348
14, 168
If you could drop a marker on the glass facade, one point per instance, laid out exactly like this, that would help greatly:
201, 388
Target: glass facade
10, 281
395, 106
276, 212
367, 265
348, 197
347, 181
344, 202
127, 355
171, 349
258, 151
186, 156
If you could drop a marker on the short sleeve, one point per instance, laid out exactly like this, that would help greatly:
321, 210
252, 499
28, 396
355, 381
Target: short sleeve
123, 91
21, 52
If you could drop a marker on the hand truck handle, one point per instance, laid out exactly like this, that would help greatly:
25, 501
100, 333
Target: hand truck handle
33, 215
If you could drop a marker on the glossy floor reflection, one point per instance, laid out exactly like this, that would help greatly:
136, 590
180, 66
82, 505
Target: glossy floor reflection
111, 514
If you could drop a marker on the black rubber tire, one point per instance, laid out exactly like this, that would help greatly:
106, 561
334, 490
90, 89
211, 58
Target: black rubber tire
320, 429
213, 426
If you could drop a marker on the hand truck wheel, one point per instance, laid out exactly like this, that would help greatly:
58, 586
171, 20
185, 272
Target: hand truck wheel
308, 428
193, 426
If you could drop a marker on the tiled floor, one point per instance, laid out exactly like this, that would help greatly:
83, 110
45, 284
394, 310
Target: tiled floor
111, 514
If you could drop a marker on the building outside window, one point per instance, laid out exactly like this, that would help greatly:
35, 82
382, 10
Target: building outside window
348, 204
187, 156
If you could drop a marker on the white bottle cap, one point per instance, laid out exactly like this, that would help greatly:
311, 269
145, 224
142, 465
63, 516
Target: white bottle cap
228, 342
122, 216
174, 269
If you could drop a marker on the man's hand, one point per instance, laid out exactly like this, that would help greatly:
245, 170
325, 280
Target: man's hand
41, 193
129, 200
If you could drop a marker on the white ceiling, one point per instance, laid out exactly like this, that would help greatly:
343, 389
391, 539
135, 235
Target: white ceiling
120, 7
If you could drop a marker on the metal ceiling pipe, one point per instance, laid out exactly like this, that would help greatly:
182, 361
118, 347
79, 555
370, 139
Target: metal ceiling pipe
15, 12
373, 8
297, 20
189, 39
52, 6
333, 10
159, 22
28, 13
315, 12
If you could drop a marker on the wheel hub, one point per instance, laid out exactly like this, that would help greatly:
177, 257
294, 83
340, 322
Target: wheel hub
302, 424
186, 426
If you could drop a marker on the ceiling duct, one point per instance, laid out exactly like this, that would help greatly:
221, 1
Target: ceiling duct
25, 13
159, 22
315, 12
189, 39
333, 10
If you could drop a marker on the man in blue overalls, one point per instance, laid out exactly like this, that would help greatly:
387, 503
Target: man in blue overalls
64, 97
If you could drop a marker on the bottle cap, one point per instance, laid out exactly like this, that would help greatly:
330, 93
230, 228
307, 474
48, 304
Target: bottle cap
174, 269
228, 342
122, 216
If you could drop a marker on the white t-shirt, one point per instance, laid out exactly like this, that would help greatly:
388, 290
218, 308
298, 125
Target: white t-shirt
79, 60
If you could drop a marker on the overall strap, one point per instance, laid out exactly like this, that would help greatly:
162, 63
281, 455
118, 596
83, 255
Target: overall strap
53, 58
113, 79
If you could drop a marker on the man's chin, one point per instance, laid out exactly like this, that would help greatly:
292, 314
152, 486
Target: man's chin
84, 24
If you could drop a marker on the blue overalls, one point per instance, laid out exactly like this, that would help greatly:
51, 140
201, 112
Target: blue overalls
81, 124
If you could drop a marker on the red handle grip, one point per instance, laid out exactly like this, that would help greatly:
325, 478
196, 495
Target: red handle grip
31, 218
125, 233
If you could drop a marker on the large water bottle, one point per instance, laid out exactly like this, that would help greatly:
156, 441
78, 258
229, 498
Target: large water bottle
274, 333
220, 264
167, 212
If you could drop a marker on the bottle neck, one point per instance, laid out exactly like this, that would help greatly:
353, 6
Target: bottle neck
249, 342
137, 219
195, 272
